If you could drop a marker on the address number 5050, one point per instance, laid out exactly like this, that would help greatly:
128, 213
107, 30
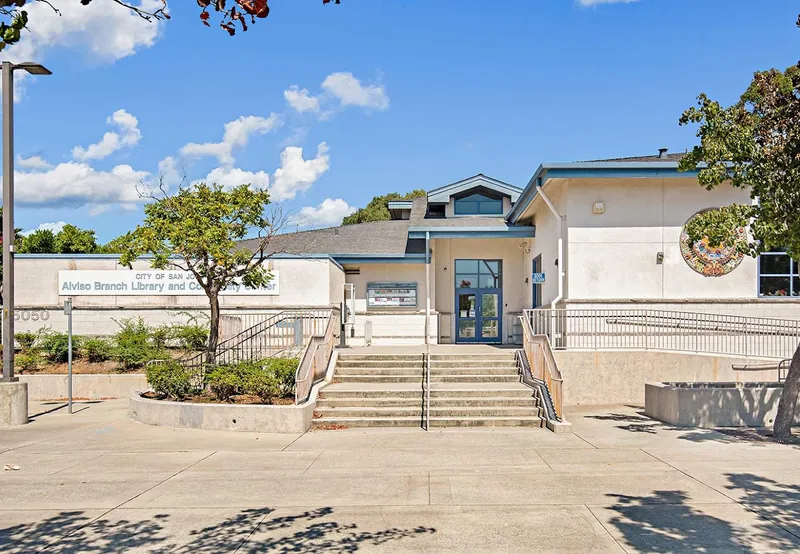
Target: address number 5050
31, 315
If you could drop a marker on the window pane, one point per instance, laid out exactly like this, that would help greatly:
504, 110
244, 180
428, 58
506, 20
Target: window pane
795, 267
489, 282
489, 305
490, 266
466, 328
473, 198
466, 305
466, 208
772, 264
795, 286
467, 281
774, 286
466, 266
490, 207
490, 329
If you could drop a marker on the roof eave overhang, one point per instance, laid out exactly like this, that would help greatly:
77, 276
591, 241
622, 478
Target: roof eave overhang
593, 170
509, 232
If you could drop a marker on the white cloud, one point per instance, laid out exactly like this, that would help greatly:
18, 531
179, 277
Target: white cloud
55, 226
170, 172
297, 174
330, 212
237, 133
350, 92
79, 184
301, 100
589, 3
230, 177
128, 136
104, 31
34, 162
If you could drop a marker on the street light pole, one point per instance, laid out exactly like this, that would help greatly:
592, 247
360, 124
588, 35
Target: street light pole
8, 222
8, 209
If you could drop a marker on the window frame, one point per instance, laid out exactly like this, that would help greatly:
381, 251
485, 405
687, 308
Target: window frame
793, 276
488, 198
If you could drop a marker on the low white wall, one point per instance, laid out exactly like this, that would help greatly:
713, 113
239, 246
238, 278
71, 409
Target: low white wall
222, 417
619, 376
51, 387
394, 329
753, 405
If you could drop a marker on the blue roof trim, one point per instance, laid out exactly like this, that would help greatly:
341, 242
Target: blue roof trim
282, 256
380, 259
400, 204
522, 231
593, 170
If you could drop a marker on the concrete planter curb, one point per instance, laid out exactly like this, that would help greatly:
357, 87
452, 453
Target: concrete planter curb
710, 405
92, 386
229, 417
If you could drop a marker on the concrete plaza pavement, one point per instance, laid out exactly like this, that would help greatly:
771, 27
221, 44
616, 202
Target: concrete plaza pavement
98, 482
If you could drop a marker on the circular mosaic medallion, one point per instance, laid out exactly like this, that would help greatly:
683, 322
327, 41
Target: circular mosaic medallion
707, 260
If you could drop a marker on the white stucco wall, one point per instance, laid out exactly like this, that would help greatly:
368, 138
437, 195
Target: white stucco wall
303, 283
446, 251
613, 255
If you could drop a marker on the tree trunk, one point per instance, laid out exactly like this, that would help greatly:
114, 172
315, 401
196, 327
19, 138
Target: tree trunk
782, 430
213, 332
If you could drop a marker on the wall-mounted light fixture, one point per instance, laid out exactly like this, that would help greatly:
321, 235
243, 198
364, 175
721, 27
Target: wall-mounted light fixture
599, 207
660, 258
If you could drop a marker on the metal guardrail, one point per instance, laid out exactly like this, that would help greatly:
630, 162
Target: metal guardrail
666, 330
314, 363
428, 387
543, 366
782, 367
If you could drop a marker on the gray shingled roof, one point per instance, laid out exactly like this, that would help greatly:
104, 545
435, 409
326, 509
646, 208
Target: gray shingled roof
654, 158
420, 208
377, 237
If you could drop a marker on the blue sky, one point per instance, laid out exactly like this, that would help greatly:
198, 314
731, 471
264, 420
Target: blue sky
417, 94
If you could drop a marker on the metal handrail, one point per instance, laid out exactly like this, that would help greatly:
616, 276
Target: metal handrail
779, 366
428, 388
543, 365
314, 363
598, 329
783, 364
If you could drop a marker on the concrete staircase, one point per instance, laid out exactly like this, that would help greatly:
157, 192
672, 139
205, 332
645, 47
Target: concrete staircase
387, 390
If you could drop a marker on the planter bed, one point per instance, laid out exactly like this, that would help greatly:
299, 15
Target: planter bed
257, 418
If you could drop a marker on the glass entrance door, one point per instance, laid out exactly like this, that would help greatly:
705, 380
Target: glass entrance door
479, 301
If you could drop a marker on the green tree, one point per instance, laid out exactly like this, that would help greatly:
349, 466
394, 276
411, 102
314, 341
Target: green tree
114, 246
754, 145
41, 241
197, 230
228, 14
73, 240
378, 208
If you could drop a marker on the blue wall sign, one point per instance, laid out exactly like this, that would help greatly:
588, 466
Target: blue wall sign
537, 278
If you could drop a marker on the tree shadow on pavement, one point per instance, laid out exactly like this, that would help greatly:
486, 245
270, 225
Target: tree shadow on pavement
250, 530
664, 521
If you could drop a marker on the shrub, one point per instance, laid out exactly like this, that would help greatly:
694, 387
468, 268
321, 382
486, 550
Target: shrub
191, 337
133, 348
26, 340
285, 370
98, 350
27, 360
56, 348
160, 335
225, 381
263, 383
170, 380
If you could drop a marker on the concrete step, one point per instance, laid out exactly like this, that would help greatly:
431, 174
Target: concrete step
379, 371
380, 357
417, 364
486, 422
473, 362
474, 371
374, 400
370, 378
483, 378
348, 422
487, 401
509, 354
487, 392
436, 412
369, 394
